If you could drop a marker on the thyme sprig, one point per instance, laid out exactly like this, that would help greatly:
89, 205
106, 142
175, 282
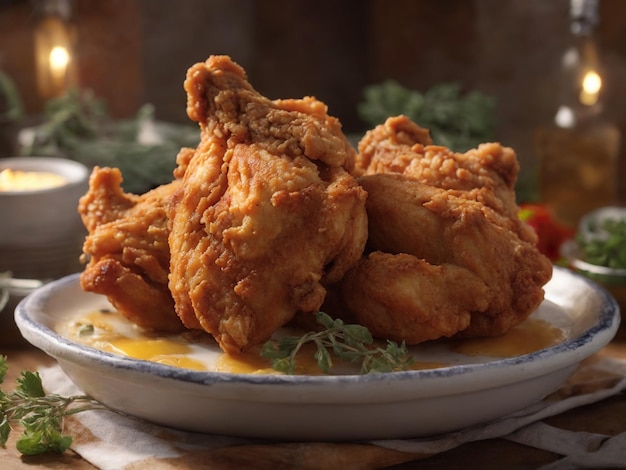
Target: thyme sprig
346, 342
41, 415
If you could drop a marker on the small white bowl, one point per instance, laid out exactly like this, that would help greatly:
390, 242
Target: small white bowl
590, 229
40, 217
345, 407
590, 226
41, 233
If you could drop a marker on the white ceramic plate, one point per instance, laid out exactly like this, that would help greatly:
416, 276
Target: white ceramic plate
376, 406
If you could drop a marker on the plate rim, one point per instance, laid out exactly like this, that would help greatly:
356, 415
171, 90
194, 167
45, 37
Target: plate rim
574, 349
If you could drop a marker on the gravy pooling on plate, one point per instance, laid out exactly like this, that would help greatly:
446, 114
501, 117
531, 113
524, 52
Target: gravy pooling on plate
529, 336
108, 331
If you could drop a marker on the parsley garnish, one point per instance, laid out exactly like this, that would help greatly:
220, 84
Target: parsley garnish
40, 415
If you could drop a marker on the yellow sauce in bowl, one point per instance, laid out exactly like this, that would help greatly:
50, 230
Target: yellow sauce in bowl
17, 180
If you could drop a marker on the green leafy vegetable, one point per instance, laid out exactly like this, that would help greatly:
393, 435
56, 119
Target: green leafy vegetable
456, 121
608, 246
347, 342
40, 415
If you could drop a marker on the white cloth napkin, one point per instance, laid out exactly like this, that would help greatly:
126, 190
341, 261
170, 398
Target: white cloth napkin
113, 442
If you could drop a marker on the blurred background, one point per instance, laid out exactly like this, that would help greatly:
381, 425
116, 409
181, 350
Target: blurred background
133, 52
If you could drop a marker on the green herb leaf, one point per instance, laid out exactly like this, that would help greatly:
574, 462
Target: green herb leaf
86, 330
5, 430
3, 368
608, 246
40, 415
347, 342
30, 384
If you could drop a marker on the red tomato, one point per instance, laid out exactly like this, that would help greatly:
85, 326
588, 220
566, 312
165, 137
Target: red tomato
551, 234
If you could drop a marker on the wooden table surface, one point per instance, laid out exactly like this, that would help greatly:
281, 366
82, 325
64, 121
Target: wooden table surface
607, 417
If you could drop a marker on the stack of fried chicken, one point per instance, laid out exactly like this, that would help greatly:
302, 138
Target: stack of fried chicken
275, 216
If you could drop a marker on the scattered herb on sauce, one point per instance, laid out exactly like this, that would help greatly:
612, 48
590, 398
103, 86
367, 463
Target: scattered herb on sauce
348, 342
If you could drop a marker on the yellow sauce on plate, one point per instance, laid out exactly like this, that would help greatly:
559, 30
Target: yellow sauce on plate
527, 337
166, 351
109, 331
252, 362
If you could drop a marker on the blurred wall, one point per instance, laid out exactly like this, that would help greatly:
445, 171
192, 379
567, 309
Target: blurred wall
136, 51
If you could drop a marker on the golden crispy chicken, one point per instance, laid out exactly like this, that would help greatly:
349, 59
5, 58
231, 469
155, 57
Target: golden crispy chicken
267, 215
401, 297
502, 274
487, 174
127, 248
455, 217
266, 222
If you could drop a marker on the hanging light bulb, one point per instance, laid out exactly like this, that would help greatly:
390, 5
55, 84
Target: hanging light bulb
592, 83
53, 49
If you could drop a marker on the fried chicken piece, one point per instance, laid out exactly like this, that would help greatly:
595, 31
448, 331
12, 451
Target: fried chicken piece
477, 186
127, 247
440, 228
403, 298
486, 174
388, 148
267, 215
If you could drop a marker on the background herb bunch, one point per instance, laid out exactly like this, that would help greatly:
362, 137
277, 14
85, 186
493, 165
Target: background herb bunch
456, 120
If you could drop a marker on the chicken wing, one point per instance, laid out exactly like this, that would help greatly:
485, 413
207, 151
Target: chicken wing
127, 249
267, 214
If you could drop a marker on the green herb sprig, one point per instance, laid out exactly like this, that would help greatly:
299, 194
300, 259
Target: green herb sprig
347, 342
40, 415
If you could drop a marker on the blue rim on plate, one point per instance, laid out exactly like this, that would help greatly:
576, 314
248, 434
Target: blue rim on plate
606, 327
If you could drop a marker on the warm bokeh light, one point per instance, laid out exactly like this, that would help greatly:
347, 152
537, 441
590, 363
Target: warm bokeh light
59, 58
53, 56
592, 83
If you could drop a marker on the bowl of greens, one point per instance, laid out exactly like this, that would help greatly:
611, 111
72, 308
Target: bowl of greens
599, 250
